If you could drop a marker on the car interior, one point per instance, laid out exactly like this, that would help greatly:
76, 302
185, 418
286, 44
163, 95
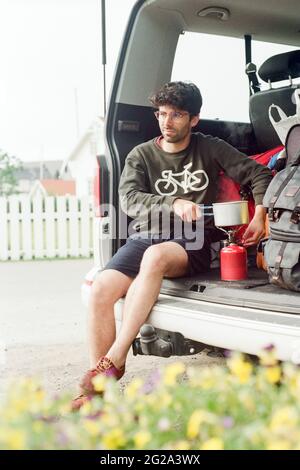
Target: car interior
130, 119
282, 67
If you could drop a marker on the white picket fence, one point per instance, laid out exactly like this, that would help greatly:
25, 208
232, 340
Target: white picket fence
51, 227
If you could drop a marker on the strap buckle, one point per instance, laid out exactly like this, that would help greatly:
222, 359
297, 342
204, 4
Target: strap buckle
274, 214
295, 217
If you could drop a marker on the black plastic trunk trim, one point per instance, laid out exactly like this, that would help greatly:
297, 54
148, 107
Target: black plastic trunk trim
110, 118
230, 301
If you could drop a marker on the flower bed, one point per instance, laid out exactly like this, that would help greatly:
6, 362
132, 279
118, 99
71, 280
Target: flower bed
240, 406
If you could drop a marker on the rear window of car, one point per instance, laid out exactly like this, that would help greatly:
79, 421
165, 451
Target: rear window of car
218, 69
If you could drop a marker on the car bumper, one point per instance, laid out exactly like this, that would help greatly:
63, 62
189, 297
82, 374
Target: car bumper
230, 327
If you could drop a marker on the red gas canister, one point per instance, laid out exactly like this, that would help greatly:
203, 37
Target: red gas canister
233, 261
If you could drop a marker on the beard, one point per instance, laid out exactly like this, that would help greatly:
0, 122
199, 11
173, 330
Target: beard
173, 136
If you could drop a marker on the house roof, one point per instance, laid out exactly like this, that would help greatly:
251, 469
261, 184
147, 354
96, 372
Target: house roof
32, 170
58, 187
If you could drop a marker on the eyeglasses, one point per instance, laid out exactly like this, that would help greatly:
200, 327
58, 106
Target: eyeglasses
173, 115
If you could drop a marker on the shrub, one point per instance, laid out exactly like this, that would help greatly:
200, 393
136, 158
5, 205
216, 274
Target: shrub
240, 406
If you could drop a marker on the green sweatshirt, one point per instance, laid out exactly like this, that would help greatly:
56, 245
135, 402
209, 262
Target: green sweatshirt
154, 178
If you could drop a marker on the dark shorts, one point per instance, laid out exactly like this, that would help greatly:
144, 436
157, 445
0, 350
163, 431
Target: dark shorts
128, 258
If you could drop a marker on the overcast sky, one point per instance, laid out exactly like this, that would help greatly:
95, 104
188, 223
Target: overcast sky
51, 78
50, 52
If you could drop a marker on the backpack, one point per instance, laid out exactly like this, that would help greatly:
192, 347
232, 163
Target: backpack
282, 199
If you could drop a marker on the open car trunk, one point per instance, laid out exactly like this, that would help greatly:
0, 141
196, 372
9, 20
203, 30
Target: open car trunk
254, 292
243, 315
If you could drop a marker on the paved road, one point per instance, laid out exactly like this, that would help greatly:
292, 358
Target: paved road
42, 321
40, 301
43, 325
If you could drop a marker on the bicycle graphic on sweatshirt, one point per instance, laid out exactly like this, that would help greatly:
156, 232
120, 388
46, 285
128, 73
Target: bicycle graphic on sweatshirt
168, 185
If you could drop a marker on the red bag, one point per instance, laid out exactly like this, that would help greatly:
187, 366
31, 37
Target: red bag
230, 191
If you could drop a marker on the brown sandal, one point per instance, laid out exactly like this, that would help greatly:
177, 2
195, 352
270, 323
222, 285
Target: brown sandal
79, 401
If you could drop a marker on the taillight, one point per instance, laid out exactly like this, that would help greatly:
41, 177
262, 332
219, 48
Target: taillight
101, 186
97, 201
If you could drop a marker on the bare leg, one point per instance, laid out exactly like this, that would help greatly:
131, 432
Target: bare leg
166, 259
108, 287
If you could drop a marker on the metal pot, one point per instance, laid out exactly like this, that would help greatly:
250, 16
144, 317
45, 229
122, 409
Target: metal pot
227, 214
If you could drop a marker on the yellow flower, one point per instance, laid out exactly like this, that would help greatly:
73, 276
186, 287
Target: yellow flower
8, 414
205, 378
127, 417
39, 396
144, 421
292, 378
114, 439
160, 401
64, 409
195, 421
240, 368
260, 382
15, 440
92, 427
99, 383
86, 408
142, 438
279, 444
284, 418
38, 402
150, 400
171, 373
208, 379
213, 444
273, 374
194, 377
110, 419
19, 405
181, 445
289, 370
139, 406
247, 400
132, 389
268, 357
37, 427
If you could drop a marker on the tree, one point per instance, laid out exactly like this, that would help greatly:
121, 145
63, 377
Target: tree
8, 179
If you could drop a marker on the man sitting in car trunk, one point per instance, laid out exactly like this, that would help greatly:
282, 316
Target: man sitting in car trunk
151, 179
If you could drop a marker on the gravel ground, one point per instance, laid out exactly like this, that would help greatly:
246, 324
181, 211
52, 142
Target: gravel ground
43, 326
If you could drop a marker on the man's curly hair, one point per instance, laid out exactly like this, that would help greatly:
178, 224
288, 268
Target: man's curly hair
181, 95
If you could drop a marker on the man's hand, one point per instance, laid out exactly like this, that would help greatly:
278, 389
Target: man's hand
256, 229
186, 210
